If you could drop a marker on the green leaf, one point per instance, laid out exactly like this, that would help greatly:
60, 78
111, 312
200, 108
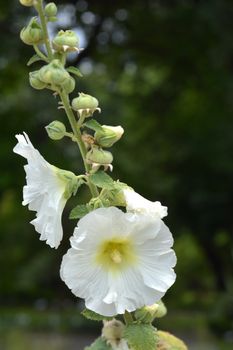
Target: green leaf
34, 59
91, 315
141, 336
93, 125
74, 71
99, 344
167, 341
79, 211
102, 180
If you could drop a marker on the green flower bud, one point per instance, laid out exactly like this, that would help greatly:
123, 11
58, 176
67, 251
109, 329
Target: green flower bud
97, 157
32, 34
54, 73
56, 130
148, 313
35, 82
167, 341
69, 85
108, 135
66, 41
85, 105
51, 9
27, 2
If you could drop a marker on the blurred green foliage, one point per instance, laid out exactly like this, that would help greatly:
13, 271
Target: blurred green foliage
163, 70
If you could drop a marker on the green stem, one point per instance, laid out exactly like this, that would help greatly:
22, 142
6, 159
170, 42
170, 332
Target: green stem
78, 136
40, 9
128, 317
40, 54
65, 100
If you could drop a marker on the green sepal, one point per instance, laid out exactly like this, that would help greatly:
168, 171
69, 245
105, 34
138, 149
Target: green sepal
74, 71
93, 125
141, 336
79, 182
102, 180
167, 341
91, 315
79, 211
33, 59
99, 344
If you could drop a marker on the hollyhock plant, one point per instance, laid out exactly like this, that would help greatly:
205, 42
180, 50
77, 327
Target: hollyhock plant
121, 258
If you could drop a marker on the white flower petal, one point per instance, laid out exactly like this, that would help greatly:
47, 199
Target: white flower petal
119, 261
44, 192
138, 204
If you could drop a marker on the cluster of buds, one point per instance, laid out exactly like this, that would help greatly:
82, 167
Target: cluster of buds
53, 76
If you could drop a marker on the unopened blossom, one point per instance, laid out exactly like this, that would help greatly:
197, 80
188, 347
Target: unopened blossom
119, 261
46, 191
138, 204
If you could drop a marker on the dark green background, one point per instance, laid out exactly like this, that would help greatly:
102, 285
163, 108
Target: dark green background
164, 71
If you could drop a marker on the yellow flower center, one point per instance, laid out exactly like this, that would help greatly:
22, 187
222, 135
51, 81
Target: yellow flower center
116, 254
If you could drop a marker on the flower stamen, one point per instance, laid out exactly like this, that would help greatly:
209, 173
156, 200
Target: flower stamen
116, 257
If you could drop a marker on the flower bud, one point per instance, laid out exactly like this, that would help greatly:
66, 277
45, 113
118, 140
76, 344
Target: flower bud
27, 2
69, 85
54, 73
32, 34
98, 157
113, 330
35, 82
66, 41
56, 130
108, 135
148, 313
51, 9
85, 105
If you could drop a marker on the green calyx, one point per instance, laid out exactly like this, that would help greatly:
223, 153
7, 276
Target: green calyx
56, 130
35, 81
97, 156
66, 41
108, 135
69, 85
54, 74
51, 9
85, 104
147, 314
27, 2
32, 34
70, 180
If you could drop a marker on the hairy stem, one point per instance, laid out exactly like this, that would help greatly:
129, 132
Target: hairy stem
69, 112
65, 100
40, 9
40, 54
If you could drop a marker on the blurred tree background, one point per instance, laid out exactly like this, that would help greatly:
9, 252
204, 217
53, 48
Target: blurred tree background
164, 71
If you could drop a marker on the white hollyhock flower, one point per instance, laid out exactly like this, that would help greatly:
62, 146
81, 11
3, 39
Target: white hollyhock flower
46, 192
119, 261
138, 204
